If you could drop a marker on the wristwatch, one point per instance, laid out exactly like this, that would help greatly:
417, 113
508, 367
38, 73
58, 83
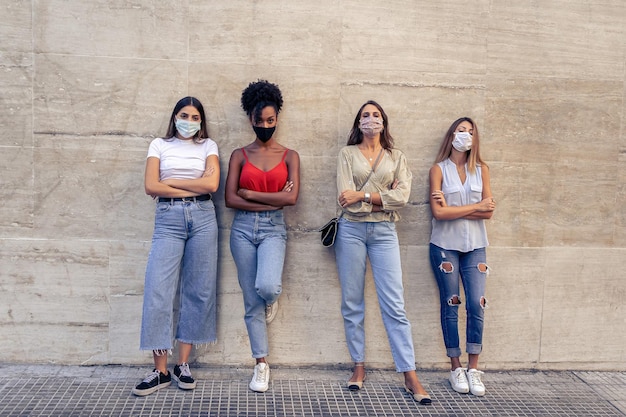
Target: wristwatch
368, 198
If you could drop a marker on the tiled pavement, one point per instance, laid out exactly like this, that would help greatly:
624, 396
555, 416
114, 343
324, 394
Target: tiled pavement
49, 390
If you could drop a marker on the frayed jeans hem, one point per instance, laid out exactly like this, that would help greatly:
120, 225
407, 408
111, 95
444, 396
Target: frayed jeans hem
198, 342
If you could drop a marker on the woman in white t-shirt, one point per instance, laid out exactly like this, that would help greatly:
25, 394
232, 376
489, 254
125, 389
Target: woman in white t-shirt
461, 200
182, 170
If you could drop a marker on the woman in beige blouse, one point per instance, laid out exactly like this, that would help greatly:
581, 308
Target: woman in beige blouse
367, 230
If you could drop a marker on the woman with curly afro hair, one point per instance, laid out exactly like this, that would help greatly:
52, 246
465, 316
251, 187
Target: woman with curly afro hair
263, 177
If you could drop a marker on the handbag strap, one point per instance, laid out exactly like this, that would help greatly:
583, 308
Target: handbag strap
373, 169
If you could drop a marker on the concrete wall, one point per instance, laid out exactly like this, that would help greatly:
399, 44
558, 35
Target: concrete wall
85, 86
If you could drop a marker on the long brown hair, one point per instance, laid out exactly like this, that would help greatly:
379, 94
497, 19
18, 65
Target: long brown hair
356, 136
473, 158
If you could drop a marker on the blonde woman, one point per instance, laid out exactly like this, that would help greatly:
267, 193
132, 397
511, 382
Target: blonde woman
461, 201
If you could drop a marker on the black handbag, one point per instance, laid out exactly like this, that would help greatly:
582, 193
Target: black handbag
329, 230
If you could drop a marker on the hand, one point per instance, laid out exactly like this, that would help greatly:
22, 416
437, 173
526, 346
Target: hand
242, 192
348, 197
487, 204
394, 184
208, 172
288, 186
439, 198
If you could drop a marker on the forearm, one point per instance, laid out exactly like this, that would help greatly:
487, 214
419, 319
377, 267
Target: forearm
453, 212
203, 185
376, 202
278, 199
479, 215
163, 190
236, 201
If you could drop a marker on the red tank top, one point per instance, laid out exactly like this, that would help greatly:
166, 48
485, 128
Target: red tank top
255, 179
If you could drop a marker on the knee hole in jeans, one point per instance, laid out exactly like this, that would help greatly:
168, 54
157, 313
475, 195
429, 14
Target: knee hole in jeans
454, 301
446, 267
483, 267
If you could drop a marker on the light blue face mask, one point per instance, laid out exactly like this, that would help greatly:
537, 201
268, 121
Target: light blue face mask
186, 128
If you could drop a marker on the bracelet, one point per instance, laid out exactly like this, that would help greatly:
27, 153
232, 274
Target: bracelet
367, 198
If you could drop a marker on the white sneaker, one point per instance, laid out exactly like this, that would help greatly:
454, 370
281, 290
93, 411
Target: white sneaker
261, 378
270, 312
476, 385
458, 381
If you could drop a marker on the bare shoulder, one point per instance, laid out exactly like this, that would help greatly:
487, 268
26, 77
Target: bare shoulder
435, 170
236, 155
292, 154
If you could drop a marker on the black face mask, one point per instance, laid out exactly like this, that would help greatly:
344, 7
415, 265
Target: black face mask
264, 133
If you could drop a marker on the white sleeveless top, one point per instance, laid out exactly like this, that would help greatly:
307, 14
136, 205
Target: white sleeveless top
460, 234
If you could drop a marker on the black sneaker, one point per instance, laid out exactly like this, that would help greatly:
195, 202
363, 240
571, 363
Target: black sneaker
182, 374
153, 382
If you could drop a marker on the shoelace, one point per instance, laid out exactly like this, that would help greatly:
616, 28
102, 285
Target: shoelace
260, 373
152, 376
459, 376
475, 377
184, 369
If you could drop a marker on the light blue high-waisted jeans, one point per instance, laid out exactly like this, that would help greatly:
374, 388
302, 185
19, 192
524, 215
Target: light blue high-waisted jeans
184, 248
355, 242
258, 240
451, 267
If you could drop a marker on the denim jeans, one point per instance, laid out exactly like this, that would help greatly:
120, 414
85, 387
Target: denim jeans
471, 268
257, 242
355, 242
183, 256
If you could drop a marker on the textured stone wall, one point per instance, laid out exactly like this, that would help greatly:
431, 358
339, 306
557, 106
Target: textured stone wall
85, 86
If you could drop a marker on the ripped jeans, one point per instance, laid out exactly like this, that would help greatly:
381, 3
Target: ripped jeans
449, 266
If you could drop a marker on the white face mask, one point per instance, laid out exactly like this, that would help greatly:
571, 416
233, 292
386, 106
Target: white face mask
462, 141
371, 125
186, 128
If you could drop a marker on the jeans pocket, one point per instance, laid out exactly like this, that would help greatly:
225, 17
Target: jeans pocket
206, 205
391, 226
277, 218
162, 207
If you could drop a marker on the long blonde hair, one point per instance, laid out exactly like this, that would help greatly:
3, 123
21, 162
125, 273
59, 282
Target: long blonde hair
473, 159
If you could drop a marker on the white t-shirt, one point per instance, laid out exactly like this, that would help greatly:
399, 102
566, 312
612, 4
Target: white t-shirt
181, 159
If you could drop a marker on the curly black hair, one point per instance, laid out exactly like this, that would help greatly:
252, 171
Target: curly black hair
258, 95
